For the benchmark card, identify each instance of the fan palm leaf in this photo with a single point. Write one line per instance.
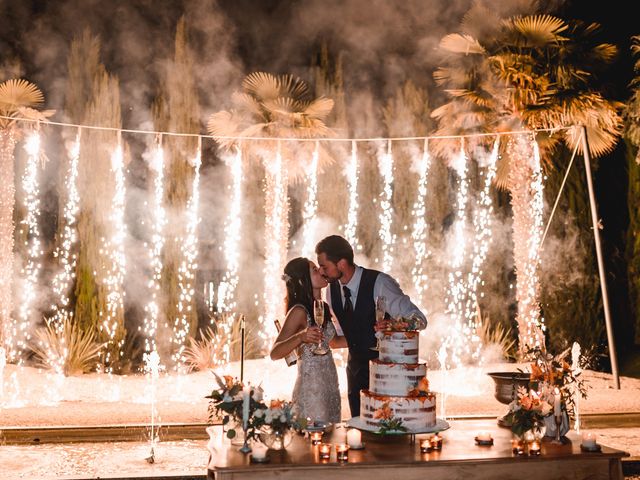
(537, 30)
(459, 43)
(17, 94)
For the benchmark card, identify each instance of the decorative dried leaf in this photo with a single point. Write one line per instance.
(538, 30)
(459, 43)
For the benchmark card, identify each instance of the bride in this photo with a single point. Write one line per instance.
(315, 394)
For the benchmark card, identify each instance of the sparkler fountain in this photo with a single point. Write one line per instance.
(152, 368)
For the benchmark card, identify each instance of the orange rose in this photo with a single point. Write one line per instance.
(276, 404)
(536, 372)
(228, 381)
(383, 412)
(526, 402)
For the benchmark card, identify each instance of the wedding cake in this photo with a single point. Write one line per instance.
(397, 381)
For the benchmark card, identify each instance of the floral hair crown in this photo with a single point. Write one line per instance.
(286, 277)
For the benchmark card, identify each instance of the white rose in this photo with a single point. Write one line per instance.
(283, 418)
(227, 398)
(259, 413)
(258, 394)
(268, 417)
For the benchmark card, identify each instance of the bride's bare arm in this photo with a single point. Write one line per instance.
(294, 333)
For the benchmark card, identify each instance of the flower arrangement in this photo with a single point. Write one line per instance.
(227, 401)
(421, 390)
(404, 324)
(279, 416)
(550, 376)
(388, 423)
(527, 412)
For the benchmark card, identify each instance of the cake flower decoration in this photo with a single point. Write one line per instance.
(388, 423)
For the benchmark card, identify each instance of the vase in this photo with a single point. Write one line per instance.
(550, 424)
(506, 387)
(276, 439)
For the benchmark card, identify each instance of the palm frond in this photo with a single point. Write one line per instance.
(262, 85)
(459, 43)
(538, 30)
(17, 93)
(319, 108)
(293, 87)
(200, 354)
(244, 101)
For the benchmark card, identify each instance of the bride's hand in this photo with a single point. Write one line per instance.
(311, 335)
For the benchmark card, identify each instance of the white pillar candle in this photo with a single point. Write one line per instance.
(557, 403)
(246, 395)
(258, 451)
(589, 440)
(354, 438)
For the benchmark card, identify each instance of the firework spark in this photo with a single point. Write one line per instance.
(351, 172)
(310, 206)
(419, 232)
(385, 165)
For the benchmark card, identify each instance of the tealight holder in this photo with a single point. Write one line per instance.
(517, 446)
(342, 452)
(315, 437)
(534, 448)
(425, 445)
(484, 439)
(436, 442)
(324, 451)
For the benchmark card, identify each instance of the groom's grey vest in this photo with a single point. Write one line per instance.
(358, 328)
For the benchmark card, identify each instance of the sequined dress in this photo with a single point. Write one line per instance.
(316, 394)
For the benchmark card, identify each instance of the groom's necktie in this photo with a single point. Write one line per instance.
(348, 306)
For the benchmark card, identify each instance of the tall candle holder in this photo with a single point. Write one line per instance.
(245, 446)
(558, 421)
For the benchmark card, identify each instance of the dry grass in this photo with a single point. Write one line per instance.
(66, 349)
(497, 334)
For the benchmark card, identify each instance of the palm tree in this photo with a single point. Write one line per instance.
(273, 107)
(525, 73)
(17, 99)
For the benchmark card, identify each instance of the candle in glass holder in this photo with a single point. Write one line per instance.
(425, 445)
(436, 442)
(324, 450)
(589, 440)
(354, 438)
(259, 452)
(342, 452)
(517, 446)
(316, 438)
(534, 448)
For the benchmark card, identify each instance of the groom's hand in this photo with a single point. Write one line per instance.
(311, 335)
(382, 325)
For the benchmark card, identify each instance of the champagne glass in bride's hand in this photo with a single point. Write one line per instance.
(380, 311)
(318, 316)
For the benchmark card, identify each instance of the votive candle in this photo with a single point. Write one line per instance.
(354, 438)
(342, 452)
(589, 440)
(316, 438)
(425, 445)
(436, 442)
(517, 446)
(258, 451)
(324, 450)
(534, 448)
(484, 437)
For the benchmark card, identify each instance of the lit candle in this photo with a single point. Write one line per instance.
(425, 445)
(484, 437)
(557, 403)
(342, 452)
(316, 438)
(534, 448)
(354, 438)
(436, 442)
(246, 392)
(517, 446)
(324, 450)
(589, 440)
(258, 451)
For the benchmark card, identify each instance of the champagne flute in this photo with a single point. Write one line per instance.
(380, 312)
(318, 316)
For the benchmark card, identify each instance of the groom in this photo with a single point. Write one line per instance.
(352, 296)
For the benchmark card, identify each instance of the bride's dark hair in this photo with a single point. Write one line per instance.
(298, 282)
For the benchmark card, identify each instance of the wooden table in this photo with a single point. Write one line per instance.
(395, 457)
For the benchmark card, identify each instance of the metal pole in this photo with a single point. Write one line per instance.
(603, 282)
(242, 327)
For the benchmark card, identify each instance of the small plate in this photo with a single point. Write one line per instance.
(260, 460)
(483, 443)
(597, 448)
(361, 447)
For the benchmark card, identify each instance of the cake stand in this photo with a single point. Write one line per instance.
(360, 424)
